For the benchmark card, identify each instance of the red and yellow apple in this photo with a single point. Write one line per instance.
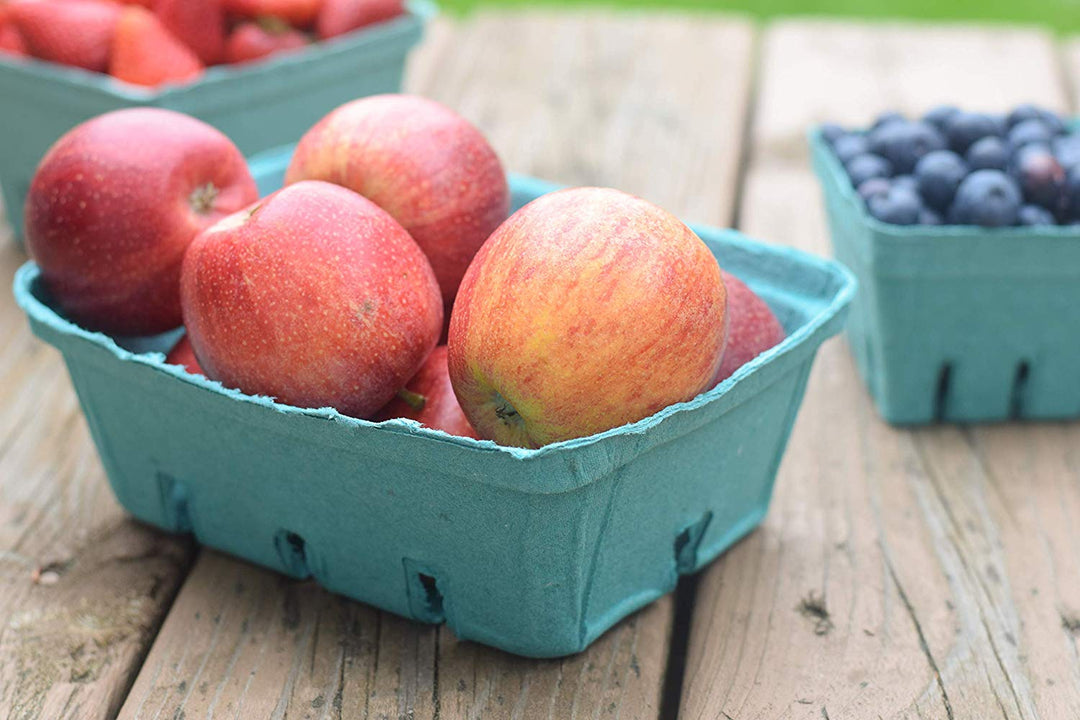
(587, 309)
(314, 296)
(429, 399)
(115, 203)
(427, 166)
(752, 328)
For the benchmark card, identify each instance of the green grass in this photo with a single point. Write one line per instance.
(1062, 16)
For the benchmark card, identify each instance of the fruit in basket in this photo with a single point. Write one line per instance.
(899, 206)
(938, 174)
(314, 296)
(587, 309)
(1029, 152)
(429, 399)
(752, 327)
(427, 166)
(183, 354)
(199, 24)
(145, 53)
(115, 203)
(338, 17)
(864, 167)
(989, 198)
(72, 32)
(903, 143)
(988, 153)
(1041, 177)
(255, 40)
(11, 41)
(298, 13)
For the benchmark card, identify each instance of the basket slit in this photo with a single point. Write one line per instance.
(687, 543)
(292, 551)
(1019, 390)
(426, 602)
(174, 503)
(941, 393)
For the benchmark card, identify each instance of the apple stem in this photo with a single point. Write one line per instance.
(203, 197)
(414, 400)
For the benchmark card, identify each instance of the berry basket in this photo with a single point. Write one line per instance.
(536, 552)
(259, 106)
(957, 323)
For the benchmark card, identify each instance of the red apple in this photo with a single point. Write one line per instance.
(752, 328)
(314, 296)
(587, 309)
(115, 203)
(429, 399)
(422, 163)
(184, 354)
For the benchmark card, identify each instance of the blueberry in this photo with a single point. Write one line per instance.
(964, 128)
(899, 206)
(863, 167)
(887, 117)
(906, 181)
(873, 186)
(1041, 177)
(939, 174)
(1022, 113)
(929, 217)
(831, 132)
(1053, 121)
(1029, 131)
(850, 145)
(1067, 150)
(1072, 192)
(939, 116)
(989, 153)
(989, 198)
(1035, 215)
(903, 142)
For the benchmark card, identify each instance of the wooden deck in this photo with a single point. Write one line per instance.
(929, 573)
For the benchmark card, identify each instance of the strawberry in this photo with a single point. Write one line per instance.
(11, 42)
(145, 53)
(72, 32)
(298, 13)
(254, 40)
(338, 17)
(199, 24)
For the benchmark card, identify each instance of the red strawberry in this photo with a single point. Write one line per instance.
(251, 41)
(72, 32)
(199, 24)
(145, 53)
(338, 17)
(298, 13)
(11, 42)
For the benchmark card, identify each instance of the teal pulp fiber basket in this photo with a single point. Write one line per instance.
(958, 323)
(259, 106)
(536, 552)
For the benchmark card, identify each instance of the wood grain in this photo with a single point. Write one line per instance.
(899, 573)
(84, 588)
(633, 101)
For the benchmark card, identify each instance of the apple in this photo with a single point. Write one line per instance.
(429, 399)
(752, 328)
(587, 309)
(115, 203)
(422, 163)
(183, 354)
(314, 296)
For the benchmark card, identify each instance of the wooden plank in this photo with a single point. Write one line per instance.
(899, 573)
(84, 587)
(572, 97)
(849, 72)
